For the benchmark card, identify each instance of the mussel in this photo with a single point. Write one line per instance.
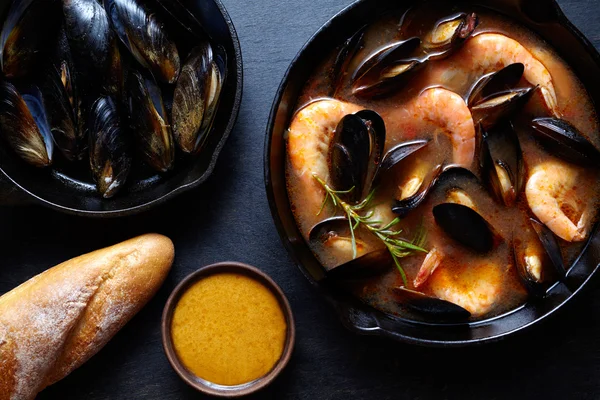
(345, 55)
(387, 69)
(149, 122)
(61, 117)
(502, 163)
(197, 96)
(355, 153)
(465, 225)
(143, 33)
(430, 306)
(28, 29)
(403, 206)
(536, 249)
(370, 265)
(496, 95)
(109, 151)
(562, 139)
(24, 123)
(449, 34)
(94, 46)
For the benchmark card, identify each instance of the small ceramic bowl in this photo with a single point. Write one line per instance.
(213, 388)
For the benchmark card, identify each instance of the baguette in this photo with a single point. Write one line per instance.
(54, 322)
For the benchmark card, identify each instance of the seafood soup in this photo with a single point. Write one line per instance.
(442, 165)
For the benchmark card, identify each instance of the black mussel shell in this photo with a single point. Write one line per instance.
(565, 141)
(502, 166)
(404, 206)
(449, 34)
(186, 19)
(143, 33)
(109, 150)
(552, 247)
(386, 70)
(93, 46)
(349, 156)
(355, 153)
(149, 122)
(28, 29)
(197, 95)
(465, 225)
(24, 123)
(368, 266)
(499, 106)
(496, 82)
(61, 117)
(327, 228)
(430, 306)
(344, 57)
(397, 154)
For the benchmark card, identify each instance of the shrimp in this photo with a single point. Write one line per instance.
(489, 52)
(308, 140)
(552, 196)
(475, 287)
(450, 114)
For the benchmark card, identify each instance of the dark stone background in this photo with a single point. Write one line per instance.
(228, 219)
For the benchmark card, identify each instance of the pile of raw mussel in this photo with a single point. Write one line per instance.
(357, 163)
(113, 80)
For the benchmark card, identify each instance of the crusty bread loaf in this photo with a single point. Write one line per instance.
(57, 320)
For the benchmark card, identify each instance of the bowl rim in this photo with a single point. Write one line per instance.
(223, 390)
(376, 316)
(25, 195)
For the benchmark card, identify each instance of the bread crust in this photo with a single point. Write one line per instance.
(54, 322)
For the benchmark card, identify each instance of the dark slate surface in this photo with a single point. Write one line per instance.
(229, 219)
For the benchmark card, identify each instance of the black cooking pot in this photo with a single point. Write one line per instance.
(543, 17)
(21, 183)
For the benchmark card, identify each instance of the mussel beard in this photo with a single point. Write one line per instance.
(109, 153)
(24, 124)
(150, 124)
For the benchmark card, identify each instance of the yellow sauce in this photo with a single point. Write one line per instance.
(228, 329)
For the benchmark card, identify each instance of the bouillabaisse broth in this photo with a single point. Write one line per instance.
(431, 105)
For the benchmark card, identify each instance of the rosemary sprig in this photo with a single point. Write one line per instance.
(388, 234)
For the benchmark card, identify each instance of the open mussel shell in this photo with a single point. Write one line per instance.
(563, 140)
(496, 107)
(29, 28)
(327, 228)
(533, 249)
(93, 46)
(368, 266)
(496, 82)
(197, 95)
(386, 70)
(502, 165)
(449, 34)
(430, 306)
(143, 33)
(345, 55)
(149, 122)
(109, 149)
(404, 206)
(24, 123)
(465, 225)
(355, 153)
(552, 247)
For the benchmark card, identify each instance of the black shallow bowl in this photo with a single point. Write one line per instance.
(543, 17)
(20, 183)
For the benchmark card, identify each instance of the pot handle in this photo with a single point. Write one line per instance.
(10, 194)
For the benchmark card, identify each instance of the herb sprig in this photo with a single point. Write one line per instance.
(388, 234)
